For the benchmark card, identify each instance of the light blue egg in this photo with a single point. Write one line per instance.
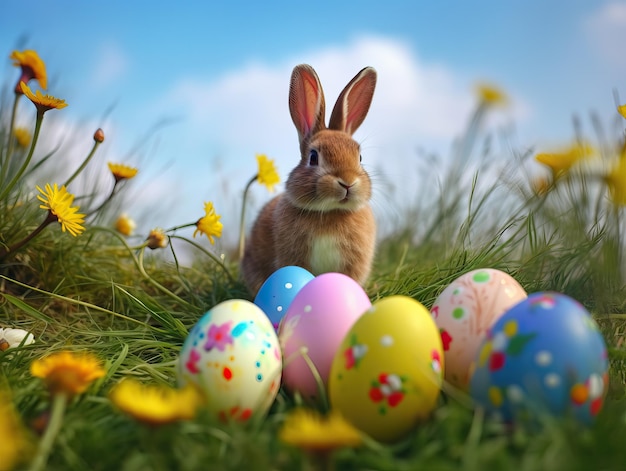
(276, 294)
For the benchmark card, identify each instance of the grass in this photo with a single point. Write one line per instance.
(133, 308)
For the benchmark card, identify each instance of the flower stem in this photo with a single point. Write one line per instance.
(322, 460)
(84, 164)
(182, 226)
(9, 149)
(105, 202)
(212, 256)
(242, 229)
(59, 403)
(139, 264)
(472, 131)
(22, 169)
(49, 219)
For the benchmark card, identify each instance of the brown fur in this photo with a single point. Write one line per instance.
(325, 205)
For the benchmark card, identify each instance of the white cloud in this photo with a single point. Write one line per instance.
(111, 64)
(416, 105)
(248, 107)
(606, 31)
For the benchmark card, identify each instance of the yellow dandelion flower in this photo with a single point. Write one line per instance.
(268, 175)
(209, 224)
(22, 136)
(157, 239)
(491, 95)
(59, 203)
(12, 435)
(67, 372)
(155, 405)
(125, 225)
(309, 430)
(622, 110)
(122, 172)
(32, 67)
(42, 102)
(562, 161)
(616, 181)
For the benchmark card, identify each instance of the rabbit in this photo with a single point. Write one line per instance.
(323, 221)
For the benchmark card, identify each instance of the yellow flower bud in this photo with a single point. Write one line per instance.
(125, 225)
(157, 239)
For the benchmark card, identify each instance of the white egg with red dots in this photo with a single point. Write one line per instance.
(233, 356)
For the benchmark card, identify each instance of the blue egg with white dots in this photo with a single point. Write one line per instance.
(545, 356)
(276, 294)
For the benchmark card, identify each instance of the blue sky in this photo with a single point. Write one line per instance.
(218, 74)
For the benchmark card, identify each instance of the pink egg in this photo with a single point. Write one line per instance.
(464, 311)
(314, 326)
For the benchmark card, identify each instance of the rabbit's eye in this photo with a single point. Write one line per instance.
(313, 157)
(360, 158)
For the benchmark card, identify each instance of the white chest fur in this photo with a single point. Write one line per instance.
(325, 255)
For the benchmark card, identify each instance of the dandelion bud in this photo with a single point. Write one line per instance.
(98, 136)
(125, 225)
(156, 239)
(22, 136)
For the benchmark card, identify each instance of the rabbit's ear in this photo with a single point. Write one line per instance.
(306, 101)
(354, 102)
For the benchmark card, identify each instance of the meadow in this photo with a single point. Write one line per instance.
(112, 306)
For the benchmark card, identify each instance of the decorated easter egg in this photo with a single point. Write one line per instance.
(386, 374)
(233, 356)
(315, 324)
(277, 292)
(465, 310)
(545, 355)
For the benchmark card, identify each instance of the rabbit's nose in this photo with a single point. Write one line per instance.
(347, 186)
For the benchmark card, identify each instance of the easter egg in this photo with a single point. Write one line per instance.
(315, 324)
(545, 355)
(278, 291)
(233, 356)
(386, 374)
(465, 310)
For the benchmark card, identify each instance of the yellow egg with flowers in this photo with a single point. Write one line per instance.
(386, 375)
